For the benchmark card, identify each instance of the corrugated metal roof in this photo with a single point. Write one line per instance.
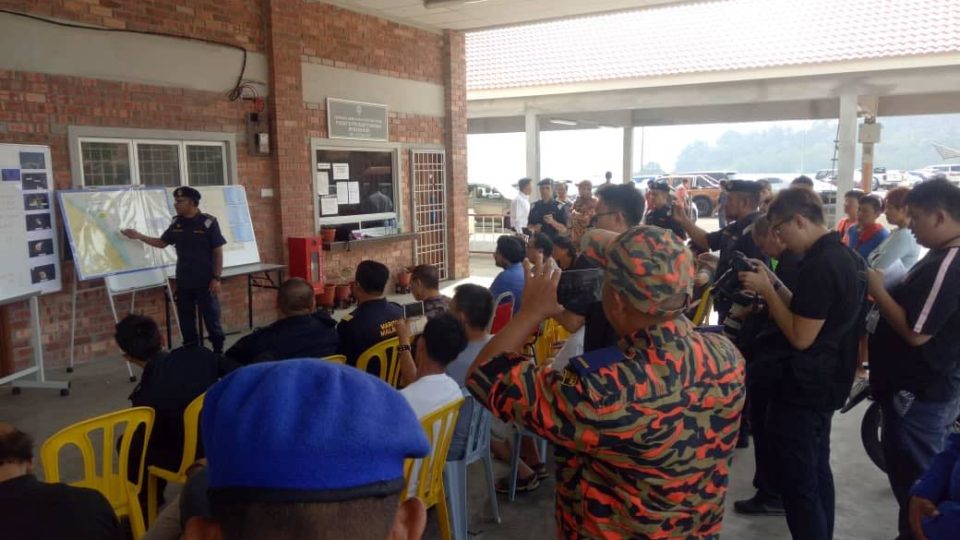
(709, 37)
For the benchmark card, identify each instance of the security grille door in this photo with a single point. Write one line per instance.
(429, 215)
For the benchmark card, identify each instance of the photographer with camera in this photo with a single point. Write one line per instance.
(756, 332)
(809, 367)
(742, 209)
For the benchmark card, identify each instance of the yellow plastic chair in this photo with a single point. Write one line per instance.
(336, 358)
(438, 426)
(703, 309)
(550, 340)
(191, 436)
(100, 433)
(386, 353)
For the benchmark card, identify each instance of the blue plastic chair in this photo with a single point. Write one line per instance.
(455, 472)
(518, 436)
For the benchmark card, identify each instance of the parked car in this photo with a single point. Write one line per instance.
(950, 170)
(704, 191)
(485, 199)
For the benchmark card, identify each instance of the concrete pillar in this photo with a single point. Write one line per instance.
(628, 154)
(847, 149)
(455, 103)
(532, 128)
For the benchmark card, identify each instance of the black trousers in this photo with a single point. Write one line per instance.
(764, 476)
(188, 301)
(800, 450)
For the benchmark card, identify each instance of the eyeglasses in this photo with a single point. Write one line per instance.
(778, 228)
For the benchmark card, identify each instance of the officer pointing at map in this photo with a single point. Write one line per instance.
(196, 237)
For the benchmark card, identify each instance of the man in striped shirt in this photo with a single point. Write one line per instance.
(915, 349)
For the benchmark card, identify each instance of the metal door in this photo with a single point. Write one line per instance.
(428, 174)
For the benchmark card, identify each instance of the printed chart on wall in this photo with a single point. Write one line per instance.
(94, 219)
(29, 169)
(229, 205)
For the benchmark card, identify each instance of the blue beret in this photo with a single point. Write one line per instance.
(307, 431)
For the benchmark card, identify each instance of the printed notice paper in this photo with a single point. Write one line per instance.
(328, 205)
(353, 191)
(341, 171)
(342, 196)
(323, 183)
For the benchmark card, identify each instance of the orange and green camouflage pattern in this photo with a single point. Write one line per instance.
(642, 444)
(650, 266)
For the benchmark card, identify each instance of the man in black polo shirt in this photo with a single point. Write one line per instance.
(375, 318)
(547, 215)
(811, 369)
(199, 244)
(915, 349)
(661, 215)
(301, 332)
(742, 209)
(170, 381)
(34, 510)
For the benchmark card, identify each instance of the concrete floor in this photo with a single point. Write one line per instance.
(865, 506)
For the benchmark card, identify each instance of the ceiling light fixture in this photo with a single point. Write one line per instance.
(562, 122)
(441, 3)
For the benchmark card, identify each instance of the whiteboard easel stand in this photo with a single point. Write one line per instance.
(36, 339)
(112, 293)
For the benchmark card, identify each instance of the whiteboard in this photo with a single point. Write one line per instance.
(15, 270)
(134, 281)
(229, 205)
(28, 166)
(93, 220)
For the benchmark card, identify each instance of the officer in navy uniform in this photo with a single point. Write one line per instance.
(742, 209)
(547, 215)
(196, 237)
(375, 318)
(660, 213)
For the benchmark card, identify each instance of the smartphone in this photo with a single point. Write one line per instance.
(579, 288)
(413, 310)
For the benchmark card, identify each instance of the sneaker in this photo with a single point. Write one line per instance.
(524, 485)
(755, 506)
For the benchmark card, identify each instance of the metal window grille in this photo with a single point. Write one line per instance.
(428, 171)
(159, 164)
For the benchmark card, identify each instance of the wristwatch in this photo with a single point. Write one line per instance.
(403, 347)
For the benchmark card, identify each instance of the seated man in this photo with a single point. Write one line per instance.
(425, 286)
(935, 498)
(34, 510)
(324, 459)
(509, 256)
(473, 306)
(541, 244)
(301, 332)
(442, 340)
(374, 319)
(170, 381)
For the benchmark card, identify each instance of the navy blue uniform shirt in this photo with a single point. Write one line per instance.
(194, 239)
(542, 209)
(369, 324)
(736, 236)
(34, 510)
(663, 217)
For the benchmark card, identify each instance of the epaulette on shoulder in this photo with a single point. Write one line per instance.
(208, 220)
(592, 361)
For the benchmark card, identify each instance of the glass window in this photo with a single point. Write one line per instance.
(105, 163)
(159, 164)
(205, 165)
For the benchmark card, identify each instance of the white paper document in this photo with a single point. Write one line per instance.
(323, 183)
(341, 171)
(894, 274)
(342, 196)
(353, 192)
(323, 166)
(328, 205)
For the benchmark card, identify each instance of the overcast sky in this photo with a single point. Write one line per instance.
(498, 159)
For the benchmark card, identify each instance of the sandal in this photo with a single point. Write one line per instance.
(524, 485)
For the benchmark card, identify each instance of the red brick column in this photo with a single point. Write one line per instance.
(455, 104)
(291, 162)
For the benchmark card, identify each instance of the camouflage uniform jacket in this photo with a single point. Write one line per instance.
(643, 431)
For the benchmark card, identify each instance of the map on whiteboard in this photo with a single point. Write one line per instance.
(94, 219)
(229, 205)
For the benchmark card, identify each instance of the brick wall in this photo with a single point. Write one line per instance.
(37, 108)
(237, 22)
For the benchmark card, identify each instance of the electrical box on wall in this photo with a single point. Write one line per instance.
(258, 134)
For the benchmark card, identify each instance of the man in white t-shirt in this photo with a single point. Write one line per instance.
(442, 340)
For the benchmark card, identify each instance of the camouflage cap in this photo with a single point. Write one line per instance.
(650, 266)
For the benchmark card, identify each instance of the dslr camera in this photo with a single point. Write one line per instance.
(728, 285)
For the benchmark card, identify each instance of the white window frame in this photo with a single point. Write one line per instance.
(78, 135)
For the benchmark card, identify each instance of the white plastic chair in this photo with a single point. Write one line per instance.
(455, 472)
